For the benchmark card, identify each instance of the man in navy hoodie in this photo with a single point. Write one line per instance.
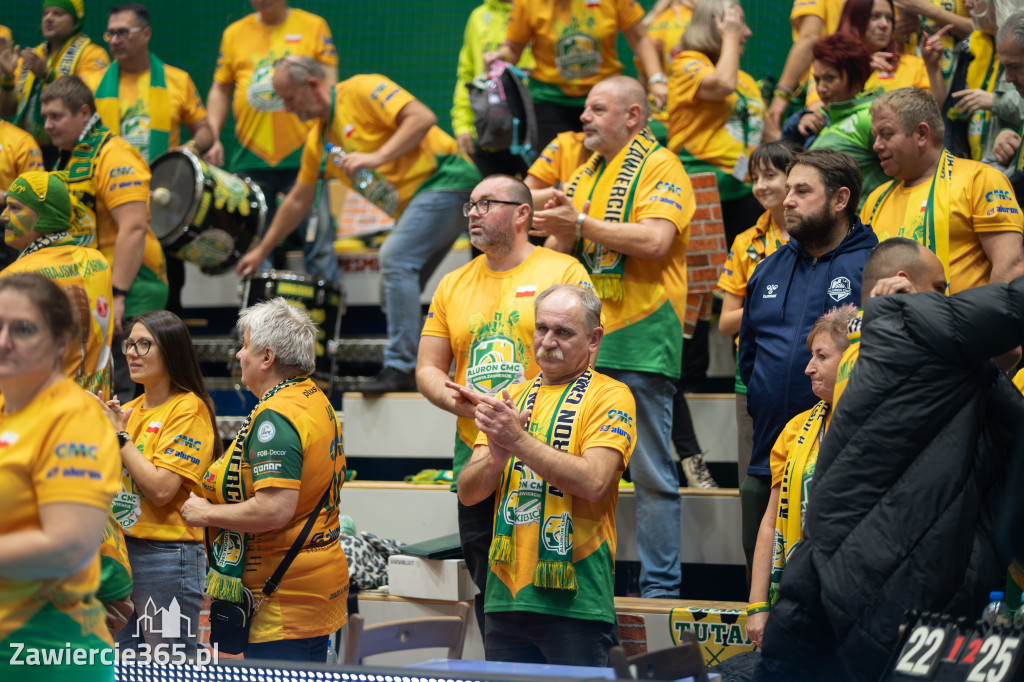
(819, 268)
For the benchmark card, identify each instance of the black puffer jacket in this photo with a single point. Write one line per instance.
(908, 486)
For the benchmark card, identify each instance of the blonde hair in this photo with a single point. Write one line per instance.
(702, 34)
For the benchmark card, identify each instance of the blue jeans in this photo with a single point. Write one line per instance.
(163, 572)
(318, 255)
(312, 649)
(524, 637)
(656, 478)
(422, 236)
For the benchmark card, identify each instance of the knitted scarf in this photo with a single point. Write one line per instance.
(156, 106)
(936, 213)
(793, 495)
(522, 491)
(80, 166)
(614, 200)
(223, 485)
(61, 63)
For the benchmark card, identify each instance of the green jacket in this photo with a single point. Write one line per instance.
(850, 132)
(485, 31)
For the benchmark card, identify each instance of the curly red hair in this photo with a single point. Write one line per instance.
(847, 54)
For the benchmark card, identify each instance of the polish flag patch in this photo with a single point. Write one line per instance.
(592, 4)
(293, 37)
(154, 427)
(530, 290)
(348, 130)
(8, 438)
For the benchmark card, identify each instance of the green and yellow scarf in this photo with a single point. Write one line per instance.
(521, 486)
(156, 105)
(223, 484)
(981, 75)
(61, 63)
(615, 202)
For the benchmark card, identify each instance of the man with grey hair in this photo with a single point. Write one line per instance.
(482, 318)
(553, 449)
(962, 210)
(285, 465)
(626, 215)
(369, 124)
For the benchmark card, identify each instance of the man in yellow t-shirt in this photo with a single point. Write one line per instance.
(962, 210)
(24, 73)
(20, 154)
(37, 223)
(555, 165)
(633, 240)
(111, 182)
(556, 480)
(270, 138)
(369, 124)
(481, 317)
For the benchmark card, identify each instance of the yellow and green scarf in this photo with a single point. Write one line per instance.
(223, 484)
(936, 212)
(521, 487)
(615, 200)
(61, 63)
(981, 75)
(79, 166)
(156, 105)
(792, 496)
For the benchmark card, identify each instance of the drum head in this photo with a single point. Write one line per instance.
(180, 174)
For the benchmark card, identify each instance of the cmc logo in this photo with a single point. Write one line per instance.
(188, 442)
(998, 195)
(621, 416)
(65, 450)
(668, 187)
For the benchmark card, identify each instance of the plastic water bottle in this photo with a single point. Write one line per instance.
(370, 184)
(332, 654)
(997, 613)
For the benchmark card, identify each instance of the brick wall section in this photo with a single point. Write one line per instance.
(632, 633)
(707, 250)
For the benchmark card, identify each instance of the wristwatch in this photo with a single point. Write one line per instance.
(123, 438)
(579, 224)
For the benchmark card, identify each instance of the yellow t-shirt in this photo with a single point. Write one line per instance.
(268, 135)
(980, 200)
(186, 106)
(560, 159)
(177, 436)
(487, 316)
(366, 109)
(573, 40)
(19, 153)
(295, 438)
(644, 330)
(749, 248)
(715, 132)
(84, 275)
(58, 449)
(666, 30)
(910, 72)
(606, 418)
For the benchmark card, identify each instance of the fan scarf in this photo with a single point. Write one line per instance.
(63, 63)
(156, 101)
(554, 568)
(615, 201)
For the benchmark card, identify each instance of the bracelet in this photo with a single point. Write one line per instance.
(119, 292)
(783, 93)
(7, 83)
(579, 224)
(757, 607)
(657, 78)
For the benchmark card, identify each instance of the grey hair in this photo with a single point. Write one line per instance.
(284, 329)
(1013, 28)
(835, 323)
(299, 67)
(589, 300)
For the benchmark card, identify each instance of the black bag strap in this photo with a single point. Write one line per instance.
(275, 580)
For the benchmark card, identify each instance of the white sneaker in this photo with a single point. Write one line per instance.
(696, 472)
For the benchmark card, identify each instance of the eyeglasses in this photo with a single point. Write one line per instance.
(121, 33)
(484, 205)
(141, 347)
(20, 330)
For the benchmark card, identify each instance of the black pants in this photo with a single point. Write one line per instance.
(476, 524)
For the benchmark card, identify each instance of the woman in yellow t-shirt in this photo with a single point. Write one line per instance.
(793, 458)
(168, 441)
(715, 110)
(58, 472)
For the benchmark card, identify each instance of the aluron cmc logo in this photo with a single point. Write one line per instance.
(770, 291)
(493, 365)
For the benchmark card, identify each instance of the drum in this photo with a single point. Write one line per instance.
(323, 301)
(203, 214)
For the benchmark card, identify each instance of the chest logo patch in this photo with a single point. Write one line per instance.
(840, 288)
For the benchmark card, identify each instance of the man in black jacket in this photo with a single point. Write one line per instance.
(908, 486)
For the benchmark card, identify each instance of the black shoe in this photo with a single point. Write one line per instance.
(389, 380)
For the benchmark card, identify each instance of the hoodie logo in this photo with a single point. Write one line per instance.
(772, 288)
(840, 288)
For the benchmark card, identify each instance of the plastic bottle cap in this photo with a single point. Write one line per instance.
(996, 595)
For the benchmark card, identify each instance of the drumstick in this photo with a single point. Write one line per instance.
(161, 196)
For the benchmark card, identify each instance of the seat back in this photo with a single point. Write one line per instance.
(412, 633)
(685, 660)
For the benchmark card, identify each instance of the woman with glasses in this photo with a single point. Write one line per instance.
(168, 441)
(58, 473)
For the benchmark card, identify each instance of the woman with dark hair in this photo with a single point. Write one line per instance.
(841, 67)
(168, 441)
(58, 473)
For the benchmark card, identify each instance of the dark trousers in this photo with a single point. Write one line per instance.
(312, 649)
(476, 525)
(553, 119)
(519, 636)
